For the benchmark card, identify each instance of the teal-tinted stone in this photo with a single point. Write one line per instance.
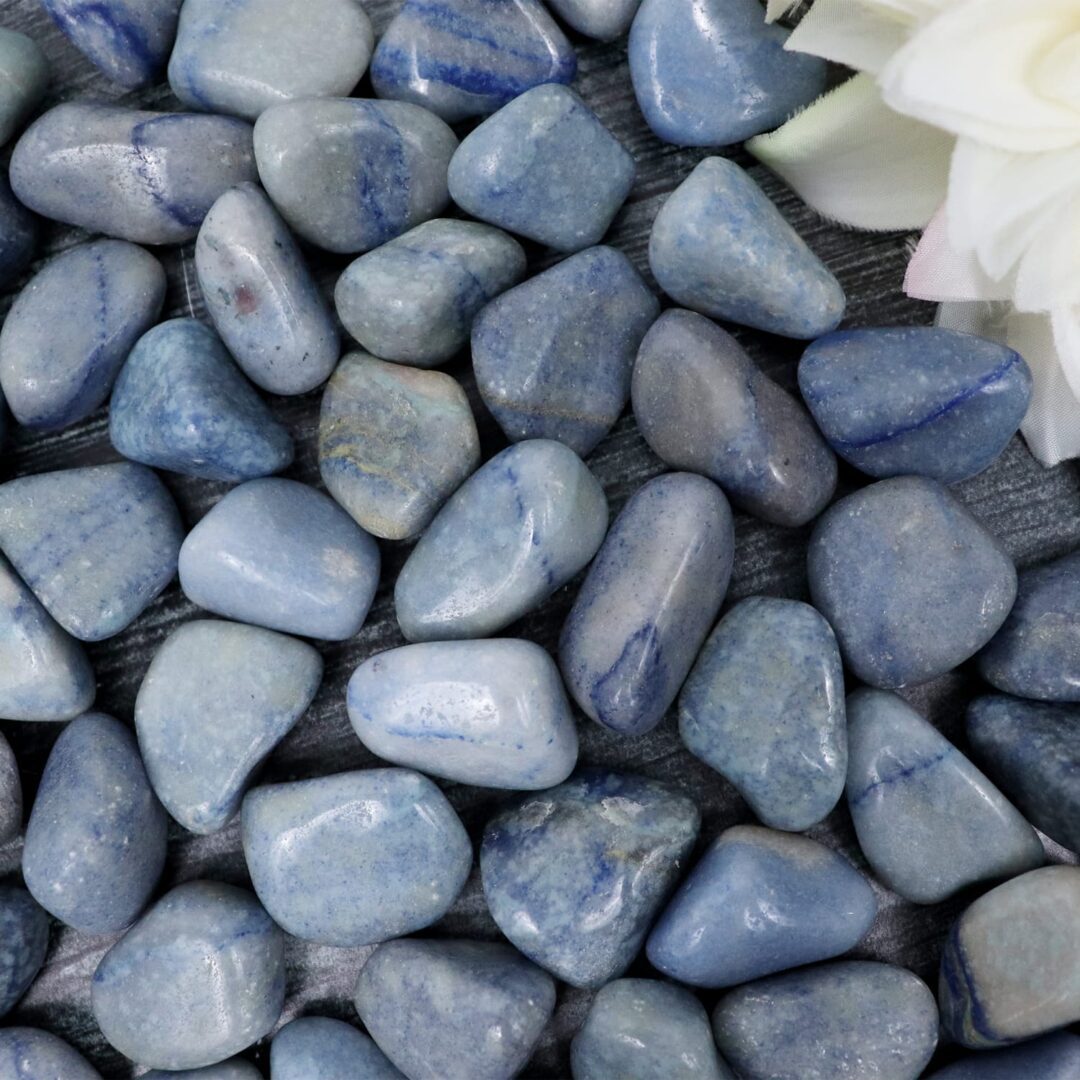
(24, 940)
(1053, 1057)
(24, 75)
(316, 1046)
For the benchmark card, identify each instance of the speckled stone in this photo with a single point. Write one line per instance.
(463, 58)
(395, 443)
(714, 932)
(603, 19)
(490, 713)
(95, 841)
(243, 56)
(11, 802)
(261, 296)
(56, 371)
(33, 1054)
(96, 544)
(764, 707)
(1053, 1057)
(195, 980)
(702, 404)
(719, 246)
(24, 940)
(553, 356)
(454, 1008)
(648, 601)
(518, 529)
(348, 174)
(180, 403)
(148, 177)
(18, 232)
(217, 698)
(1009, 968)
(845, 1021)
(575, 875)
(24, 77)
(545, 167)
(316, 1046)
(233, 1069)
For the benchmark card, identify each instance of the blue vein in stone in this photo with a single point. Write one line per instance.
(460, 76)
(128, 37)
(954, 965)
(903, 774)
(389, 219)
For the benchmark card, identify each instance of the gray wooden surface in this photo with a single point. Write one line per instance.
(1035, 511)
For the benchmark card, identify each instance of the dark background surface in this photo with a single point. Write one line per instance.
(1035, 511)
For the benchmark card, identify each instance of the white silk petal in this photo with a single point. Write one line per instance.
(939, 271)
(777, 9)
(1049, 273)
(1065, 322)
(850, 32)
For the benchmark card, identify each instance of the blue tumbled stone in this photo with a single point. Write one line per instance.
(18, 234)
(233, 1069)
(24, 940)
(575, 875)
(603, 19)
(553, 356)
(24, 77)
(545, 167)
(11, 802)
(316, 1046)
(719, 246)
(648, 601)
(1053, 1057)
(32, 1054)
(760, 902)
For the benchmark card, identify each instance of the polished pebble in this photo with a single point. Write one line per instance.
(518, 529)
(650, 597)
(24, 77)
(32, 1054)
(603, 19)
(1053, 1057)
(18, 232)
(233, 1069)
(149, 177)
(575, 875)
(217, 698)
(180, 403)
(56, 371)
(261, 296)
(764, 707)
(11, 801)
(553, 356)
(316, 1046)
(912, 583)
(198, 978)
(447, 1008)
(395, 443)
(545, 167)
(719, 246)
(702, 404)
(24, 940)
(715, 933)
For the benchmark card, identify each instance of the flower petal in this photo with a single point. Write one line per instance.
(777, 9)
(1049, 275)
(851, 32)
(939, 271)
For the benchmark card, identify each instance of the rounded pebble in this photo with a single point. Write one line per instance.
(24, 940)
(24, 73)
(11, 800)
(32, 1054)
(316, 1046)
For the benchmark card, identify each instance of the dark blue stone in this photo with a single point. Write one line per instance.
(24, 940)
(1053, 1057)
(24, 77)
(31, 1054)
(318, 1048)
(18, 234)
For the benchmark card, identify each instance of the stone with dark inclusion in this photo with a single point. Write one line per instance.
(1053, 1057)
(33, 1054)
(24, 940)
(317, 1046)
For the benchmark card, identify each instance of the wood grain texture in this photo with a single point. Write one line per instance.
(1035, 511)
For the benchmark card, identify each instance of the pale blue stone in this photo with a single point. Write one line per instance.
(348, 174)
(234, 1069)
(217, 698)
(545, 167)
(764, 707)
(490, 713)
(180, 403)
(442, 1009)
(261, 296)
(518, 529)
(553, 356)
(198, 978)
(912, 583)
(95, 841)
(56, 371)
(463, 58)
(96, 545)
(719, 246)
(32, 1054)
(11, 801)
(280, 554)
(316, 1046)
(1053, 1057)
(603, 19)
(760, 902)
(24, 940)
(24, 77)
(18, 232)
(149, 177)
(648, 601)
(574, 876)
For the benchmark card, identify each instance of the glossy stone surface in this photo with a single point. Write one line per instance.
(282, 555)
(454, 1008)
(24, 76)
(575, 875)
(148, 177)
(95, 841)
(912, 583)
(233, 1069)
(348, 174)
(545, 167)
(316, 1046)
(18, 232)
(217, 698)
(850, 1019)
(56, 371)
(719, 246)
(519, 528)
(195, 980)
(95, 544)
(244, 56)
(395, 442)
(24, 939)
(32, 1054)
(603, 19)
(553, 356)
(261, 296)
(180, 403)
(11, 802)
(648, 601)
(702, 404)
(463, 58)
(764, 707)
(714, 932)
(490, 713)
(1053, 1057)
